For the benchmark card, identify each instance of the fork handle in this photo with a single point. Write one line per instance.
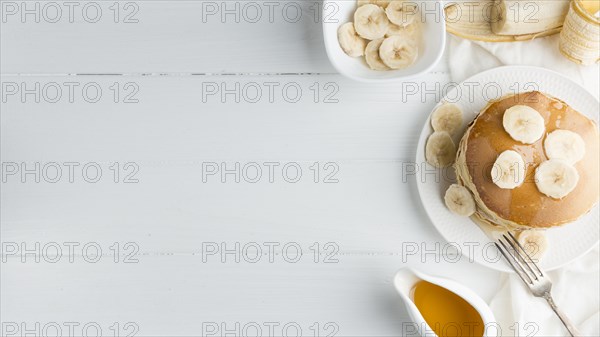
(566, 321)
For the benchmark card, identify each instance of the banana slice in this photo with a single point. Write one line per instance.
(459, 200)
(440, 150)
(534, 242)
(398, 52)
(556, 178)
(409, 32)
(524, 124)
(372, 56)
(370, 22)
(565, 145)
(380, 3)
(447, 117)
(402, 13)
(508, 171)
(351, 43)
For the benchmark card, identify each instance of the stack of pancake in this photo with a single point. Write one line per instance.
(528, 204)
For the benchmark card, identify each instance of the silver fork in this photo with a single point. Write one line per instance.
(532, 275)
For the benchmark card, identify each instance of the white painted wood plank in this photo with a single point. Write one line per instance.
(177, 118)
(175, 295)
(171, 210)
(163, 37)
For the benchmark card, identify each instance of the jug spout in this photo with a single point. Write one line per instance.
(405, 280)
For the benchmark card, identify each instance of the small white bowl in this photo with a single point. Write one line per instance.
(433, 42)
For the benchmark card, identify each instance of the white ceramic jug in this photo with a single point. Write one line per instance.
(406, 279)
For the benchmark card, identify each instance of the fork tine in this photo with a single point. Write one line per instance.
(511, 260)
(530, 260)
(515, 246)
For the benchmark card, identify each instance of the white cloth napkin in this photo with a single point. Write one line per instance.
(468, 58)
(575, 287)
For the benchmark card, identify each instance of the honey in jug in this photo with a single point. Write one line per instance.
(446, 313)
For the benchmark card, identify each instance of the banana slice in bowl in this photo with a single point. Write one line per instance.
(423, 38)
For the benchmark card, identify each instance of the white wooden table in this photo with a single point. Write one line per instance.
(161, 97)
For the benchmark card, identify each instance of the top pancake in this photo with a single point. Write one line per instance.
(526, 205)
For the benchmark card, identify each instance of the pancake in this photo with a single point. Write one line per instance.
(525, 207)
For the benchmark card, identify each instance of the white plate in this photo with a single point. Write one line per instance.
(338, 12)
(567, 242)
